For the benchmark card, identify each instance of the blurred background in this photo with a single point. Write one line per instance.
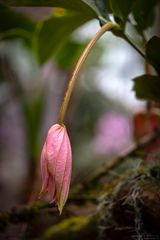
(99, 118)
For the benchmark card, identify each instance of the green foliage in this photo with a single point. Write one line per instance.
(13, 24)
(153, 52)
(99, 6)
(76, 5)
(48, 39)
(52, 33)
(121, 9)
(143, 12)
(147, 87)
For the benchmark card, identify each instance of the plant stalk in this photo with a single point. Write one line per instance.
(107, 27)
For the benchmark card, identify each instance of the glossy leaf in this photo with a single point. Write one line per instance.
(54, 32)
(99, 7)
(76, 5)
(121, 9)
(143, 12)
(147, 87)
(153, 52)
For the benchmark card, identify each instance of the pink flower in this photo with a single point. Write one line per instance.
(56, 165)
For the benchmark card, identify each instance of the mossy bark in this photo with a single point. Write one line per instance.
(133, 212)
(74, 228)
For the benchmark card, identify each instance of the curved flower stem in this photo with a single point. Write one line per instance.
(107, 27)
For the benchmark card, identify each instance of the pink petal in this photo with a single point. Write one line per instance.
(63, 171)
(53, 146)
(66, 179)
(52, 188)
(44, 170)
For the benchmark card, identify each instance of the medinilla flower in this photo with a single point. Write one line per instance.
(56, 165)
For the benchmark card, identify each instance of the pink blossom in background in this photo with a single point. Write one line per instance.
(113, 134)
(56, 165)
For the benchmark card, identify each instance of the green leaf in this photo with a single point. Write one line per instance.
(147, 87)
(143, 12)
(53, 33)
(76, 5)
(99, 6)
(153, 52)
(69, 54)
(13, 24)
(121, 9)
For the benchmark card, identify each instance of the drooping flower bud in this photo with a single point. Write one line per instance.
(56, 165)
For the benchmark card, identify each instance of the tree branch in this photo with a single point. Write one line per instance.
(133, 151)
